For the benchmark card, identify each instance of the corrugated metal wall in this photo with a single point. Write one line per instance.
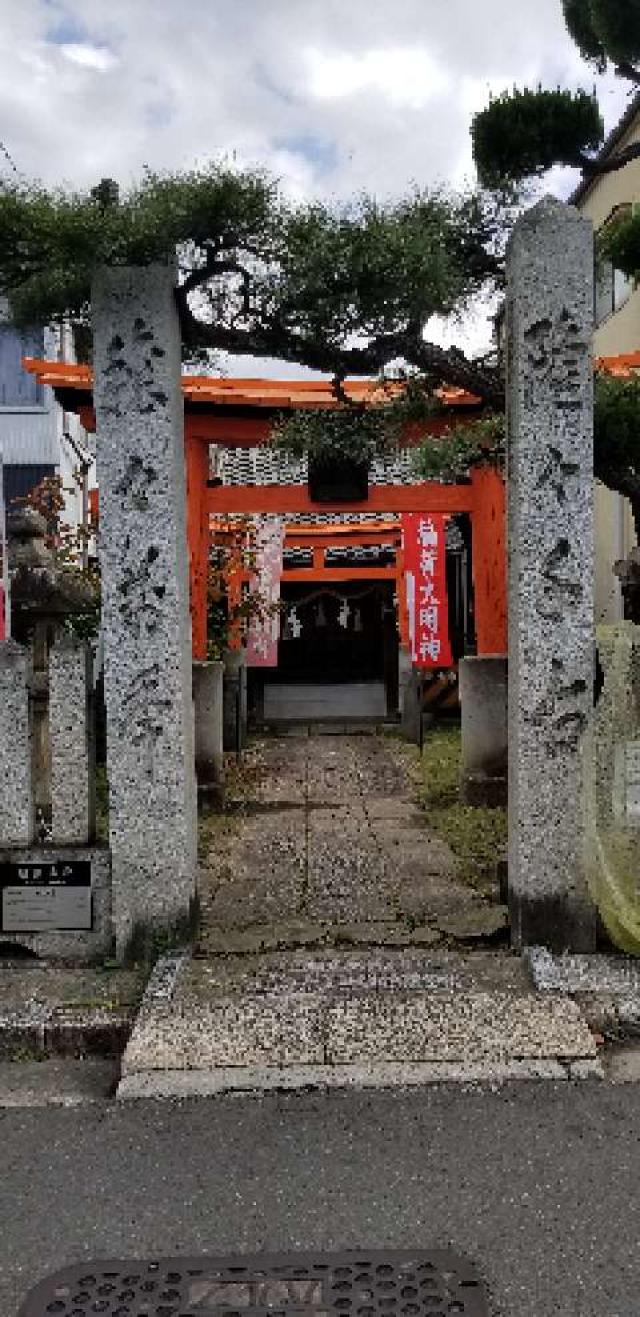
(29, 437)
(27, 411)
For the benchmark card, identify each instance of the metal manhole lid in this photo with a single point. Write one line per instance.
(435, 1283)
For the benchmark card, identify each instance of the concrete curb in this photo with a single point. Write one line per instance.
(39, 1029)
(178, 1084)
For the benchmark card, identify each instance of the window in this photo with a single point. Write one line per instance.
(612, 287)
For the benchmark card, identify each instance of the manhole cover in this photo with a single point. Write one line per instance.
(434, 1284)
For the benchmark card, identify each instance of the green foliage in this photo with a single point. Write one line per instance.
(67, 543)
(523, 133)
(579, 22)
(616, 25)
(616, 416)
(370, 269)
(51, 241)
(229, 613)
(450, 457)
(358, 432)
(617, 434)
(620, 243)
(343, 288)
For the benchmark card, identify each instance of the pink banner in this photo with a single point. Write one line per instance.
(264, 630)
(423, 538)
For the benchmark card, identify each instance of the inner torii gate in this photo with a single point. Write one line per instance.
(483, 498)
(239, 413)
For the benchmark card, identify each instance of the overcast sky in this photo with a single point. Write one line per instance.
(334, 96)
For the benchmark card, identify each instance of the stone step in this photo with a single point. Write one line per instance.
(368, 968)
(205, 1037)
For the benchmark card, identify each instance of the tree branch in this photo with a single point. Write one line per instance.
(212, 267)
(592, 168)
(339, 392)
(629, 71)
(274, 340)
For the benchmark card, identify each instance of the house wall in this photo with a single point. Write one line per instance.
(33, 427)
(619, 332)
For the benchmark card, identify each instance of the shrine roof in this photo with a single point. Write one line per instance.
(274, 394)
(208, 390)
(623, 366)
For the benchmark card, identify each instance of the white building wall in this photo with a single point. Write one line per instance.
(619, 332)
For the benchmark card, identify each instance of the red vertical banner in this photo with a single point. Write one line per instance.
(264, 629)
(424, 548)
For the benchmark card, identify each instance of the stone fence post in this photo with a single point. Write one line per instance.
(208, 702)
(72, 743)
(551, 626)
(147, 630)
(17, 809)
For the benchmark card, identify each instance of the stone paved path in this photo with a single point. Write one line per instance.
(331, 947)
(328, 844)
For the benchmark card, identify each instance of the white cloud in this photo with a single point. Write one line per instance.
(89, 57)
(400, 76)
(333, 97)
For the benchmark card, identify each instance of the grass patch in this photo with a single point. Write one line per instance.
(477, 835)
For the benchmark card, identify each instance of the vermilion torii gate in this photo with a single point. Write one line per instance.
(239, 413)
(483, 498)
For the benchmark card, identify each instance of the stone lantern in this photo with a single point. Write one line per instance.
(44, 594)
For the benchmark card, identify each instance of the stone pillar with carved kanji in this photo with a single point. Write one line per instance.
(550, 518)
(147, 631)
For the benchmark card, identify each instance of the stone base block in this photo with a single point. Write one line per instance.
(56, 901)
(483, 705)
(208, 710)
(235, 701)
(410, 702)
(557, 921)
(490, 792)
(211, 795)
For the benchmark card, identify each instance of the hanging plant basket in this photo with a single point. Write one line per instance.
(339, 446)
(340, 480)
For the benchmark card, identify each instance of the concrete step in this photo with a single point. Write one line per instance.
(51, 1009)
(337, 1020)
